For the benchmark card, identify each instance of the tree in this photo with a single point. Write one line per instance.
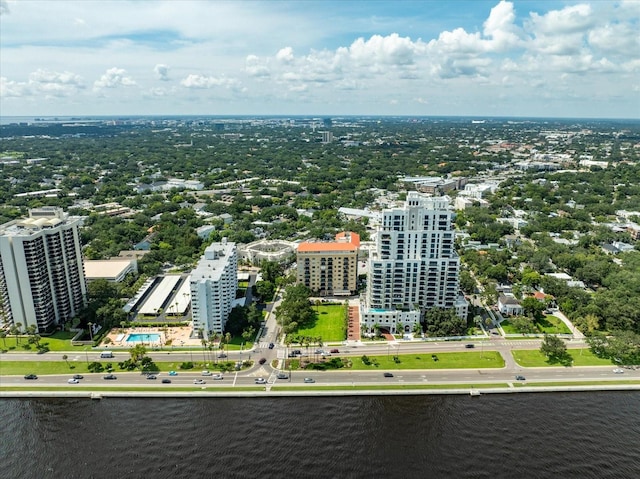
(439, 322)
(532, 307)
(65, 358)
(554, 349)
(3, 335)
(522, 324)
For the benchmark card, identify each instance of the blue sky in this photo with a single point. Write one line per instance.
(483, 58)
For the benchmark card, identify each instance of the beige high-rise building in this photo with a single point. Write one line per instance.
(330, 268)
(42, 280)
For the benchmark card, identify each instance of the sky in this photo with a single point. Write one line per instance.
(546, 58)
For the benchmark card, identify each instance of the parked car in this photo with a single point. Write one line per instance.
(260, 381)
(520, 378)
(30, 376)
(309, 380)
(199, 381)
(78, 376)
(166, 381)
(73, 381)
(282, 376)
(388, 375)
(262, 360)
(110, 376)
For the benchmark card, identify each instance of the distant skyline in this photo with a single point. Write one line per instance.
(544, 58)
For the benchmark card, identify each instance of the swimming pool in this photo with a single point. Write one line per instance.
(143, 338)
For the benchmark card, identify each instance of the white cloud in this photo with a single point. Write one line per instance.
(202, 82)
(12, 89)
(255, 67)
(55, 83)
(114, 77)
(285, 55)
(162, 72)
(500, 27)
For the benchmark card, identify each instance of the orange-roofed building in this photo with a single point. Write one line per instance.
(329, 268)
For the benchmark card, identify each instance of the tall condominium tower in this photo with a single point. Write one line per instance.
(414, 266)
(214, 282)
(42, 280)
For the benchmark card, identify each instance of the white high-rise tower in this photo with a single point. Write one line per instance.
(42, 279)
(414, 266)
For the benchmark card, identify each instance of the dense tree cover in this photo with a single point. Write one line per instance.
(555, 349)
(295, 311)
(439, 322)
(244, 321)
(623, 347)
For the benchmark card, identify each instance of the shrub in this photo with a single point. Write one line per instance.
(186, 365)
(366, 360)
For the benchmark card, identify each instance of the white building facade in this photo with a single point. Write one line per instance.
(214, 282)
(42, 281)
(414, 266)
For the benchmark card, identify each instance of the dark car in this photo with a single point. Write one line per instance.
(78, 376)
(222, 355)
(110, 376)
(262, 360)
(469, 346)
(388, 375)
(520, 378)
(333, 351)
(30, 376)
(166, 381)
(152, 376)
(271, 345)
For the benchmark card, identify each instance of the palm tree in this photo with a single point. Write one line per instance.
(65, 359)
(15, 330)
(227, 338)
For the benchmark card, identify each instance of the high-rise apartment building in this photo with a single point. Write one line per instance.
(42, 280)
(414, 266)
(329, 267)
(214, 282)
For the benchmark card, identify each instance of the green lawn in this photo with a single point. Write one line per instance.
(532, 358)
(329, 324)
(60, 341)
(80, 367)
(549, 324)
(466, 360)
(552, 325)
(388, 387)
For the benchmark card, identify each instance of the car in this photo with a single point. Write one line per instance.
(110, 376)
(335, 351)
(78, 376)
(262, 360)
(260, 381)
(271, 345)
(206, 373)
(469, 346)
(520, 378)
(218, 377)
(173, 373)
(199, 381)
(166, 381)
(152, 376)
(73, 381)
(282, 376)
(222, 355)
(309, 380)
(30, 376)
(618, 370)
(388, 375)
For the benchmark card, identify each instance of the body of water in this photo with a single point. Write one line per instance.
(559, 435)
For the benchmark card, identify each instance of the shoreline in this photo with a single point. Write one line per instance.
(313, 393)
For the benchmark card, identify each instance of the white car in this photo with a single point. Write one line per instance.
(260, 381)
(618, 370)
(73, 381)
(199, 381)
(218, 377)
(206, 373)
